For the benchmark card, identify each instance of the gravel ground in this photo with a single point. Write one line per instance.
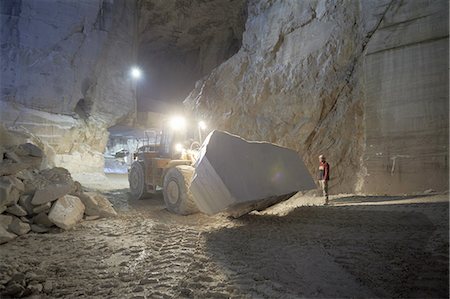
(360, 246)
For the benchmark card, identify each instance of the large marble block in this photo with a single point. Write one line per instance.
(236, 176)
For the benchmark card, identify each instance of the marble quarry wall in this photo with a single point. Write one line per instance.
(363, 82)
(64, 74)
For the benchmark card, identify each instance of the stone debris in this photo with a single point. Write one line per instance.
(50, 193)
(18, 227)
(235, 176)
(5, 220)
(9, 193)
(6, 236)
(42, 208)
(97, 205)
(66, 212)
(39, 228)
(16, 210)
(42, 219)
(25, 203)
(35, 199)
(29, 149)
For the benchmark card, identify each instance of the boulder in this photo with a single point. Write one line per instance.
(25, 175)
(5, 221)
(25, 219)
(18, 227)
(237, 176)
(52, 184)
(66, 211)
(9, 193)
(13, 157)
(16, 210)
(2, 208)
(25, 203)
(42, 208)
(29, 149)
(42, 219)
(5, 236)
(50, 193)
(97, 205)
(11, 168)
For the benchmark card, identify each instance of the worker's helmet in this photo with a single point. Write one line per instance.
(321, 157)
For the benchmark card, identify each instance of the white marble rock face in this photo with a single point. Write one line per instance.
(232, 172)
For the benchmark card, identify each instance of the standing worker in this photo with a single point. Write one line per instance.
(324, 176)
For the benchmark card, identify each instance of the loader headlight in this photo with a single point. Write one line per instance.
(202, 125)
(179, 147)
(177, 123)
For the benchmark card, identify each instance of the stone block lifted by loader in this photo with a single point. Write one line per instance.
(226, 174)
(236, 176)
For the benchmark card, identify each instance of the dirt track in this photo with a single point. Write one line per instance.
(359, 247)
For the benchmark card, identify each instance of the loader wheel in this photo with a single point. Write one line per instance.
(136, 178)
(177, 197)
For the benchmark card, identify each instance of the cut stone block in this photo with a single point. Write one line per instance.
(6, 236)
(66, 212)
(16, 210)
(97, 205)
(18, 227)
(237, 176)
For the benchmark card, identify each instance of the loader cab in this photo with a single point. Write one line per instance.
(176, 136)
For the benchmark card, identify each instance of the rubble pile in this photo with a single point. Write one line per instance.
(33, 199)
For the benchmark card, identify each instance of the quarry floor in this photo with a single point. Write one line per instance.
(360, 246)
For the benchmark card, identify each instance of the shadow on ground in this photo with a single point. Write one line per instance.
(363, 199)
(336, 252)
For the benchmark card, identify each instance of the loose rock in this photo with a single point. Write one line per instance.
(18, 227)
(39, 228)
(29, 149)
(97, 205)
(66, 212)
(5, 221)
(16, 210)
(6, 236)
(42, 219)
(8, 193)
(25, 202)
(42, 208)
(50, 193)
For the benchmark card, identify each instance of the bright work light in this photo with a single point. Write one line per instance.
(179, 147)
(135, 72)
(202, 125)
(177, 123)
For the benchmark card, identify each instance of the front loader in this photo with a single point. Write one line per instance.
(166, 164)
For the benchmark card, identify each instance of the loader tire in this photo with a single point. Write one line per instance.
(136, 178)
(176, 192)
